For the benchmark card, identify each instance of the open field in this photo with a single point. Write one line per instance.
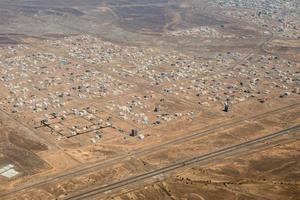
(152, 99)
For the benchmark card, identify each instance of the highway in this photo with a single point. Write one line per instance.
(172, 167)
(94, 166)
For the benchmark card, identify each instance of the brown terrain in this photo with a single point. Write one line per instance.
(151, 99)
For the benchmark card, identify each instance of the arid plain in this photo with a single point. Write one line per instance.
(149, 99)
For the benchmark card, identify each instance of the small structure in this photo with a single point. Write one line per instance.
(226, 107)
(8, 171)
(141, 137)
(157, 109)
(134, 133)
(98, 135)
(44, 122)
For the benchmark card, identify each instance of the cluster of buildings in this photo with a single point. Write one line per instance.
(73, 122)
(202, 31)
(148, 110)
(281, 17)
(41, 81)
(143, 86)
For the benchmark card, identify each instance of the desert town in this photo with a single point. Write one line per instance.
(43, 88)
(152, 112)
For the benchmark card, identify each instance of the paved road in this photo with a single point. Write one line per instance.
(95, 166)
(181, 164)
